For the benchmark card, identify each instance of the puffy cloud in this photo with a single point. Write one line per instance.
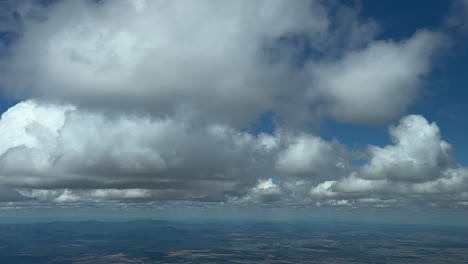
(264, 192)
(60, 153)
(143, 101)
(217, 61)
(418, 153)
(49, 146)
(377, 83)
(417, 169)
(208, 58)
(309, 155)
(63, 154)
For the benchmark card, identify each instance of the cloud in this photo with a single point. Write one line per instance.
(309, 155)
(50, 146)
(149, 101)
(418, 153)
(60, 153)
(64, 196)
(417, 169)
(217, 62)
(377, 83)
(264, 192)
(208, 58)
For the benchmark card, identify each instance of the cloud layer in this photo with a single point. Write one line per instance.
(218, 61)
(417, 168)
(61, 154)
(150, 101)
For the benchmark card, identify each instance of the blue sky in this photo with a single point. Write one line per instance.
(445, 98)
(311, 104)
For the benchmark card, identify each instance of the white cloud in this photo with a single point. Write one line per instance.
(141, 101)
(208, 57)
(264, 192)
(77, 156)
(376, 84)
(312, 156)
(417, 169)
(418, 153)
(60, 196)
(57, 146)
(217, 61)
(66, 197)
(29, 125)
(323, 190)
(74, 149)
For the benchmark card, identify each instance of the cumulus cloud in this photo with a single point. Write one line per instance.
(60, 153)
(149, 101)
(417, 168)
(208, 57)
(217, 61)
(418, 154)
(61, 147)
(312, 156)
(266, 191)
(376, 84)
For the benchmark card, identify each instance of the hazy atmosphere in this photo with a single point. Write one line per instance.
(324, 106)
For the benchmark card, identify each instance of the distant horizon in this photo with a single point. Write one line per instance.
(382, 216)
(283, 111)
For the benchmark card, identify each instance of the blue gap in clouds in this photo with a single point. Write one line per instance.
(444, 95)
(356, 137)
(294, 48)
(445, 98)
(400, 19)
(264, 124)
(6, 103)
(7, 38)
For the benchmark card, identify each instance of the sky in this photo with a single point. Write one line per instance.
(239, 104)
